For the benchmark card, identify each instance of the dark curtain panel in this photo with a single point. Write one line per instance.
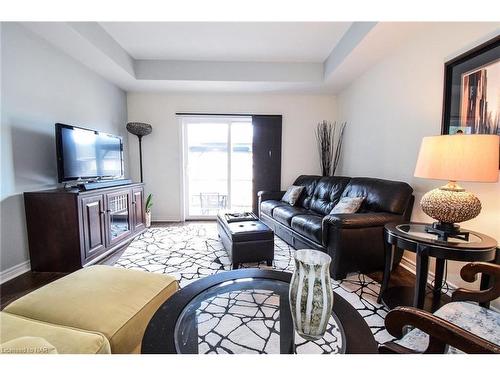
(266, 154)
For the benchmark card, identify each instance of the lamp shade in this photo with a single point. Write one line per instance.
(460, 157)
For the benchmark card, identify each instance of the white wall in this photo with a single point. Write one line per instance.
(397, 102)
(162, 151)
(39, 87)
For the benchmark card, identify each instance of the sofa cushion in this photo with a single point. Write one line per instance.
(113, 301)
(380, 195)
(65, 340)
(309, 183)
(309, 226)
(284, 214)
(327, 194)
(267, 207)
(478, 320)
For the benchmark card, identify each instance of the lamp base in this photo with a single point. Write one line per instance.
(448, 205)
(447, 230)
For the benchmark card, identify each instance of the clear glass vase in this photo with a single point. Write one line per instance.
(311, 295)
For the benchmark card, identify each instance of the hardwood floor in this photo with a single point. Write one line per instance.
(29, 281)
(403, 282)
(24, 284)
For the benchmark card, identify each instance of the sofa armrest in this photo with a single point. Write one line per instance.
(361, 220)
(268, 195)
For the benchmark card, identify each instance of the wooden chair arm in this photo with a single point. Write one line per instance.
(469, 273)
(394, 348)
(440, 331)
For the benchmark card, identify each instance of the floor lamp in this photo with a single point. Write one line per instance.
(140, 129)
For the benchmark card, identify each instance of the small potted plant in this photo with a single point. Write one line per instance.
(149, 204)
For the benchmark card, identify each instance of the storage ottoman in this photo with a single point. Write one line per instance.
(246, 241)
(115, 302)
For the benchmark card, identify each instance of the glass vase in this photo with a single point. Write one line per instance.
(311, 295)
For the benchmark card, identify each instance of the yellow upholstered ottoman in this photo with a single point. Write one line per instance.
(113, 301)
(19, 335)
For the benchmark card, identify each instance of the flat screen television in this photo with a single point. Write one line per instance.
(87, 154)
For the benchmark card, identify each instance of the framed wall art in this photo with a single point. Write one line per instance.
(472, 91)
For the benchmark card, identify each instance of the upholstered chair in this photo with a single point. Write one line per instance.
(466, 324)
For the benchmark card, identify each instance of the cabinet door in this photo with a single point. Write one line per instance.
(118, 215)
(94, 238)
(138, 209)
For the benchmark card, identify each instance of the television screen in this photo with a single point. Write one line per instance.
(87, 154)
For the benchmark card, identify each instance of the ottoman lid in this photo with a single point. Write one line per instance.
(249, 231)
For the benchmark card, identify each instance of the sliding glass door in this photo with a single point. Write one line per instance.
(217, 165)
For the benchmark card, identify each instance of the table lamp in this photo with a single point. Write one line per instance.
(459, 157)
(140, 129)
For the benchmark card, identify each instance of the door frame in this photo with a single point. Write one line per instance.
(184, 185)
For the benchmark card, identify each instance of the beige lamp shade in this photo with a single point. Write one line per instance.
(460, 157)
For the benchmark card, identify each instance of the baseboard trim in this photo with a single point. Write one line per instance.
(411, 266)
(14, 271)
(165, 221)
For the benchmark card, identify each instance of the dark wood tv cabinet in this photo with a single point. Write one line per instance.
(70, 229)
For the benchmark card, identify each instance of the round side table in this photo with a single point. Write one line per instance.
(413, 237)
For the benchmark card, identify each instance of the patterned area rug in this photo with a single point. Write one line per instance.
(244, 318)
(192, 250)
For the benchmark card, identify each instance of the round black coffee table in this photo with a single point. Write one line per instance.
(414, 237)
(247, 311)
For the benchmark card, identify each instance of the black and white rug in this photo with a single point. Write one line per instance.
(244, 318)
(192, 250)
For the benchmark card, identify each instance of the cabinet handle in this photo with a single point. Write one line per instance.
(101, 212)
(133, 202)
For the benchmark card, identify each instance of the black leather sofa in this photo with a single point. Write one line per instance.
(354, 241)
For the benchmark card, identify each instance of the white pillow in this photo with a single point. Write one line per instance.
(347, 205)
(292, 194)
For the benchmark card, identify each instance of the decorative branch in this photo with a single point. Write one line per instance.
(329, 145)
(338, 149)
(324, 132)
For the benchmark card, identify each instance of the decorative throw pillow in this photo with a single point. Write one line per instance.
(347, 205)
(292, 195)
